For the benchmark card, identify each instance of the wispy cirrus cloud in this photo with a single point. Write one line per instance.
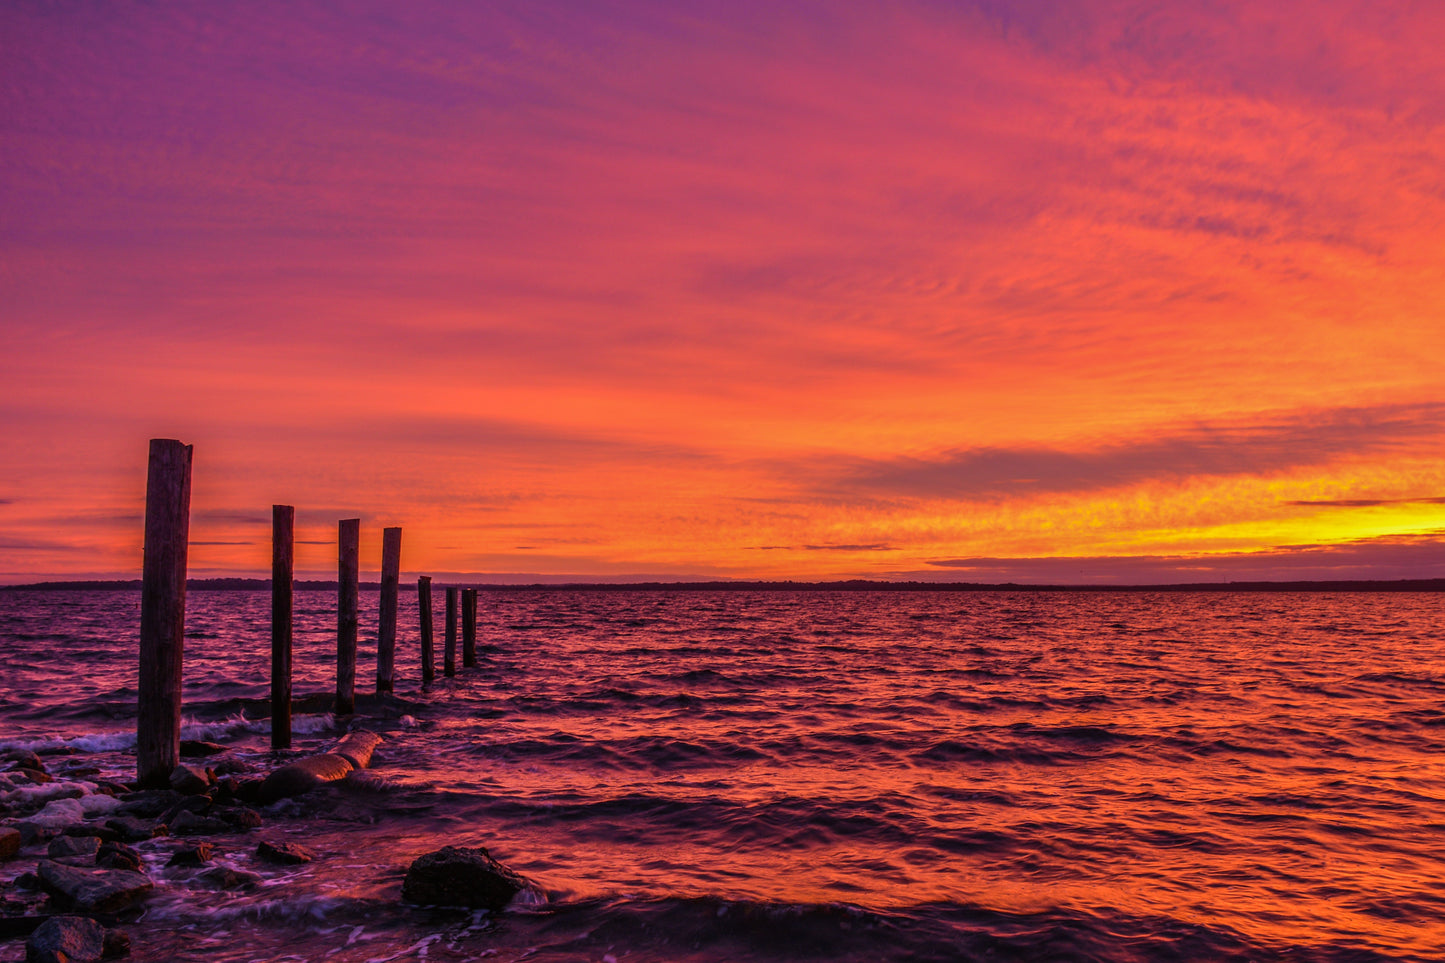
(1385, 557)
(1363, 502)
(1202, 450)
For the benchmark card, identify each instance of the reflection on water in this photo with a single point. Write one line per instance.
(1070, 775)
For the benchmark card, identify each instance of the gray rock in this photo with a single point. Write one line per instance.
(66, 939)
(189, 824)
(9, 843)
(187, 804)
(74, 846)
(284, 854)
(23, 759)
(224, 877)
(118, 856)
(93, 890)
(453, 876)
(129, 829)
(192, 748)
(190, 780)
(148, 803)
(197, 855)
(117, 943)
(238, 817)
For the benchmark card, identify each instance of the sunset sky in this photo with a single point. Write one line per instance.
(1042, 291)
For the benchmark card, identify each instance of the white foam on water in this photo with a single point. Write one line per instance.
(103, 742)
(322, 722)
(419, 949)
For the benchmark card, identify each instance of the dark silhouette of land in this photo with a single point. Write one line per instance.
(852, 585)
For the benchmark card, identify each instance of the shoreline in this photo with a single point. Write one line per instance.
(851, 585)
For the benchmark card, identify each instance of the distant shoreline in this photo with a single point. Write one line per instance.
(853, 585)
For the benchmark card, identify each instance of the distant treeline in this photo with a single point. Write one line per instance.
(853, 585)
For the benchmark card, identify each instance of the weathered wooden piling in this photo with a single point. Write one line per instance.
(423, 604)
(163, 610)
(449, 660)
(348, 561)
(283, 529)
(386, 629)
(469, 628)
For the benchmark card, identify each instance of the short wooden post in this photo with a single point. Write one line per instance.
(348, 561)
(449, 660)
(163, 611)
(283, 529)
(469, 628)
(423, 604)
(386, 630)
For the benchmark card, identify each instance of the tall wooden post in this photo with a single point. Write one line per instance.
(423, 604)
(348, 561)
(386, 630)
(163, 611)
(450, 660)
(469, 627)
(283, 528)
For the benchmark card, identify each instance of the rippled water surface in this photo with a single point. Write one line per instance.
(852, 775)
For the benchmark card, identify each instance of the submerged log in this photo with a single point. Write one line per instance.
(352, 752)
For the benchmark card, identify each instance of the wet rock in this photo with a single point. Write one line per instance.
(189, 824)
(37, 776)
(66, 939)
(453, 876)
(238, 817)
(59, 813)
(187, 804)
(117, 943)
(284, 854)
(30, 833)
(190, 780)
(93, 890)
(9, 843)
(129, 829)
(88, 829)
(248, 790)
(113, 788)
(224, 877)
(196, 748)
(23, 759)
(229, 765)
(118, 856)
(149, 803)
(197, 855)
(64, 846)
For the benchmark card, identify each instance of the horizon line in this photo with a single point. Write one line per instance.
(247, 583)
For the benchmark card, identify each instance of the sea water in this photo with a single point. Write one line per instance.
(772, 775)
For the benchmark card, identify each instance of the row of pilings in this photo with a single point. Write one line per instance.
(163, 606)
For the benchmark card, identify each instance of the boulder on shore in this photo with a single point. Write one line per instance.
(66, 939)
(453, 876)
(284, 854)
(9, 843)
(93, 890)
(190, 780)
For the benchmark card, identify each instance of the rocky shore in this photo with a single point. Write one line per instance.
(81, 855)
